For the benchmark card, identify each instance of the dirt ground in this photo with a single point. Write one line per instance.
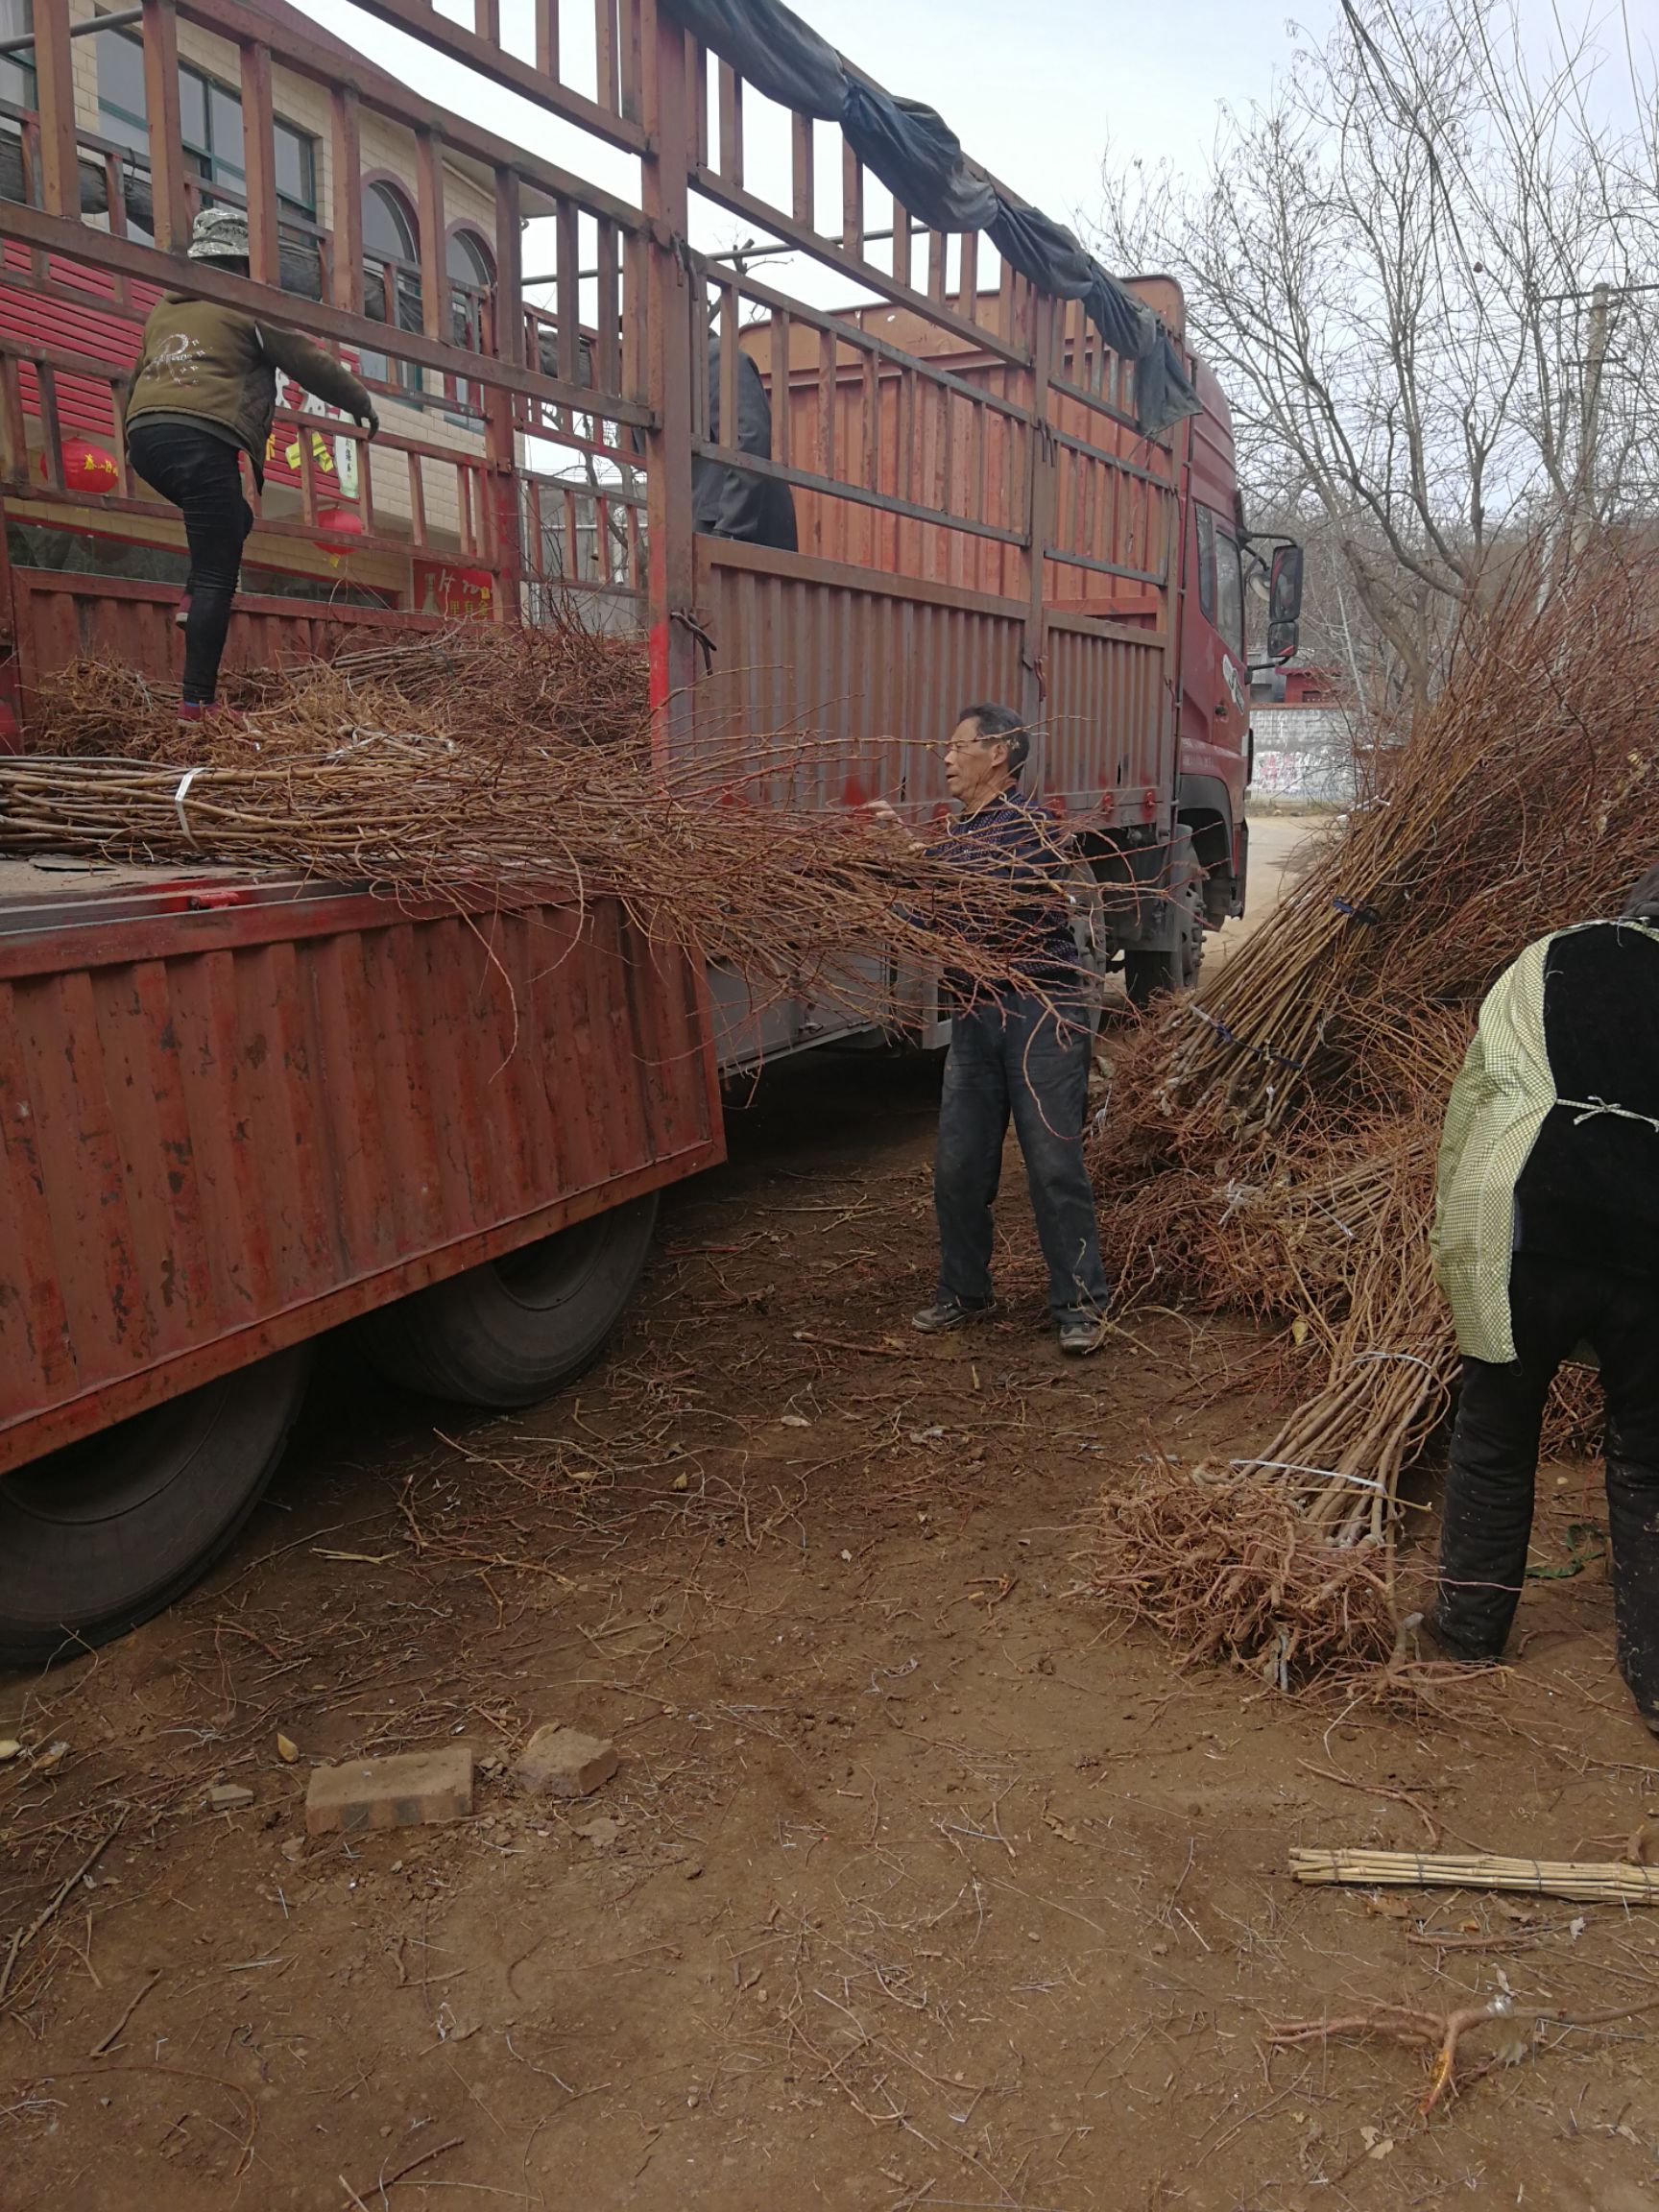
(921, 1883)
(1282, 844)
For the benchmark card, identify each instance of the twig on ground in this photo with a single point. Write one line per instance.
(1378, 1789)
(386, 2181)
(105, 2041)
(1443, 2032)
(24, 1937)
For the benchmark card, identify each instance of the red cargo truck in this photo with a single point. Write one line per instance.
(236, 1113)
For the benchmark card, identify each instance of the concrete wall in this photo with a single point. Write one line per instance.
(1302, 754)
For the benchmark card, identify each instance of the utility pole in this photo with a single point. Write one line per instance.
(1584, 489)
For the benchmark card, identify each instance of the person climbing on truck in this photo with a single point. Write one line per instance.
(204, 391)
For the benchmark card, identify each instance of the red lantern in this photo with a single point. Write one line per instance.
(87, 467)
(337, 522)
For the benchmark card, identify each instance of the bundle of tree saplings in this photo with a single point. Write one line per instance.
(1223, 1565)
(1273, 1143)
(494, 764)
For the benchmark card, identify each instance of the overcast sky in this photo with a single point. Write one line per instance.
(1035, 91)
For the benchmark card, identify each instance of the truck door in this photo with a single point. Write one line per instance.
(1214, 710)
(1218, 682)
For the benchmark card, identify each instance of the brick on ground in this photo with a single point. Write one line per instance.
(564, 1763)
(407, 1791)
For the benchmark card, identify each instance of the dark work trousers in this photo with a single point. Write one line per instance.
(1555, 1306)
(1013, 1056)
(203, 477)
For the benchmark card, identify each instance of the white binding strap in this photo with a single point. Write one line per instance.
(1587, 1109)
(178, 798)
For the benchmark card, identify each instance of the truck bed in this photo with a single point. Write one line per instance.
(235, 1110)
(48, 891)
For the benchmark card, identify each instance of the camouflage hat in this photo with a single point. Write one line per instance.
(219, 234)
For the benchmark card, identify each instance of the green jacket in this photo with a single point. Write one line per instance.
(217, 365)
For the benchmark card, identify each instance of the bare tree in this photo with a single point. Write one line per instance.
(1427, 275)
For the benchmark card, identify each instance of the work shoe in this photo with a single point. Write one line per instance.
(1080, 1334)
(1433, 1642)
(947, 1314)
(192, 712)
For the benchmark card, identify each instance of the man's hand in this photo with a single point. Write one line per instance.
(883, 816)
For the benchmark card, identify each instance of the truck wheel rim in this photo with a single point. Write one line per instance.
(555, 1271)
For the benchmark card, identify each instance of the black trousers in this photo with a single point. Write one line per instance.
(1555, 1306)
(1014, 1057)
(203, 477)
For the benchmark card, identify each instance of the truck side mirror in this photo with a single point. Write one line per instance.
(1285, 585)
(1283, 602)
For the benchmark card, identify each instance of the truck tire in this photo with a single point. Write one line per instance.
(514, 1330)
(101, 1535)
(1146, 974)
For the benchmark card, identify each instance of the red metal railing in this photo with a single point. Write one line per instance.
(954, 427)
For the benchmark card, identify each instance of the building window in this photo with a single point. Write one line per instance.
(210, 130)
(295, 171)
(390, 275)
(471, 281)
(472, 272)
(211, 125)
(123, 108)
(17, 91)
(17, 70)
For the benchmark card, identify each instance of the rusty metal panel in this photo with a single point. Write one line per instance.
(830, 687)
(62, 615)
(865, 672)
(1109, 734)
(221, 1135)
(903, 436)
(971, 464)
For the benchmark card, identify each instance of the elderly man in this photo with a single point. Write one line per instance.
(1545, 1239)
(204, 393)
(1015, 1052)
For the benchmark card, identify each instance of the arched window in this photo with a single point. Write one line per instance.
(472, 272)
(391, 272)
